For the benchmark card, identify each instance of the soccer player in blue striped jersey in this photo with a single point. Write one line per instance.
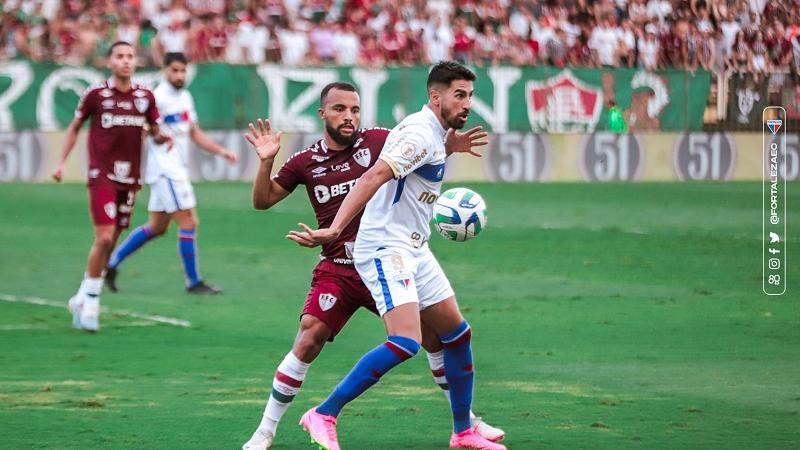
(392, 257)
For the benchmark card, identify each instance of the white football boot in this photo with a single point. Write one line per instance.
(90, 314)
(261, 440)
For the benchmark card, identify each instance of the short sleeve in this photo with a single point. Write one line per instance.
(288, 175)
(85, 106)
(152, 112)
(407, 151)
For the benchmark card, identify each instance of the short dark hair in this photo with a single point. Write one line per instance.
(118, 44)
(337, 85)
(446, 72)
(171, 57)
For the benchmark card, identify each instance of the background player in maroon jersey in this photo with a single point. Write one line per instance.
(119, 111)
(328, 169)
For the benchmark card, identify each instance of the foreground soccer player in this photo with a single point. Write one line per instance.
(328, 169)
(171, 193)
(392, 256)
(119, 110)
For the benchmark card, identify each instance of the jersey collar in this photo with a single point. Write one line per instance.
(432, 117)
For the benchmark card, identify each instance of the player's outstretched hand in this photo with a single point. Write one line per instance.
(458, 142)
(312, 238)
(232, 157)
(265, 143)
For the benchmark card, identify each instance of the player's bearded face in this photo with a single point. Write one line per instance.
(343, 134)
(176, 74)
(456, 102)
(342, 116)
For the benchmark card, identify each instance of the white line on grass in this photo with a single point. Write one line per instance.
(44, 302)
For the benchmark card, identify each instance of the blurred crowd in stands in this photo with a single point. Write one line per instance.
(756, 36)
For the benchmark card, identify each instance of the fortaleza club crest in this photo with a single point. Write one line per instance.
(774, 125)
(563, 103)
(326, 301)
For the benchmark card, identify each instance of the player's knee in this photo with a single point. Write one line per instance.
(430, 340)
(104, 240)
(158, 230)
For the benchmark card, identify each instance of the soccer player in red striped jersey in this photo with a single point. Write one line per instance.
(118, 110)
(328, 169)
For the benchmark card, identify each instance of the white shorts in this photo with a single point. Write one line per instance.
(168, 195)
(395, 277)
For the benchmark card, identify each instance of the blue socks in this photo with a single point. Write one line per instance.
(368, 370)
(188, 250)
(459, 374)
(135, 239)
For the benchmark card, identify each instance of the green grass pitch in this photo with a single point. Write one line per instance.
(605, 317)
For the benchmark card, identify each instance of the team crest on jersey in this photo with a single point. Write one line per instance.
(363, 157)
(141, 104)
(111, 210)
(407, 151)
(106, 93)
(326, 301)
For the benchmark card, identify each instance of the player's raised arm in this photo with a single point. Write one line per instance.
(266, 192)
(69, 143)
(353, 203)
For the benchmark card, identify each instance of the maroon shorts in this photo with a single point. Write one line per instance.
(336, 293)
(111, 203)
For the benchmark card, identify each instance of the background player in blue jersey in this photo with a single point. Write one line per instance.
(167, 173)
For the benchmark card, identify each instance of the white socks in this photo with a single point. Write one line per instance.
(285, 386)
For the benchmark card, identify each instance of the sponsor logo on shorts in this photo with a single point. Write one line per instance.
(111, 210)
(326, 301)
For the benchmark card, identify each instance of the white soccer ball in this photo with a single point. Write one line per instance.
(459, 214)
